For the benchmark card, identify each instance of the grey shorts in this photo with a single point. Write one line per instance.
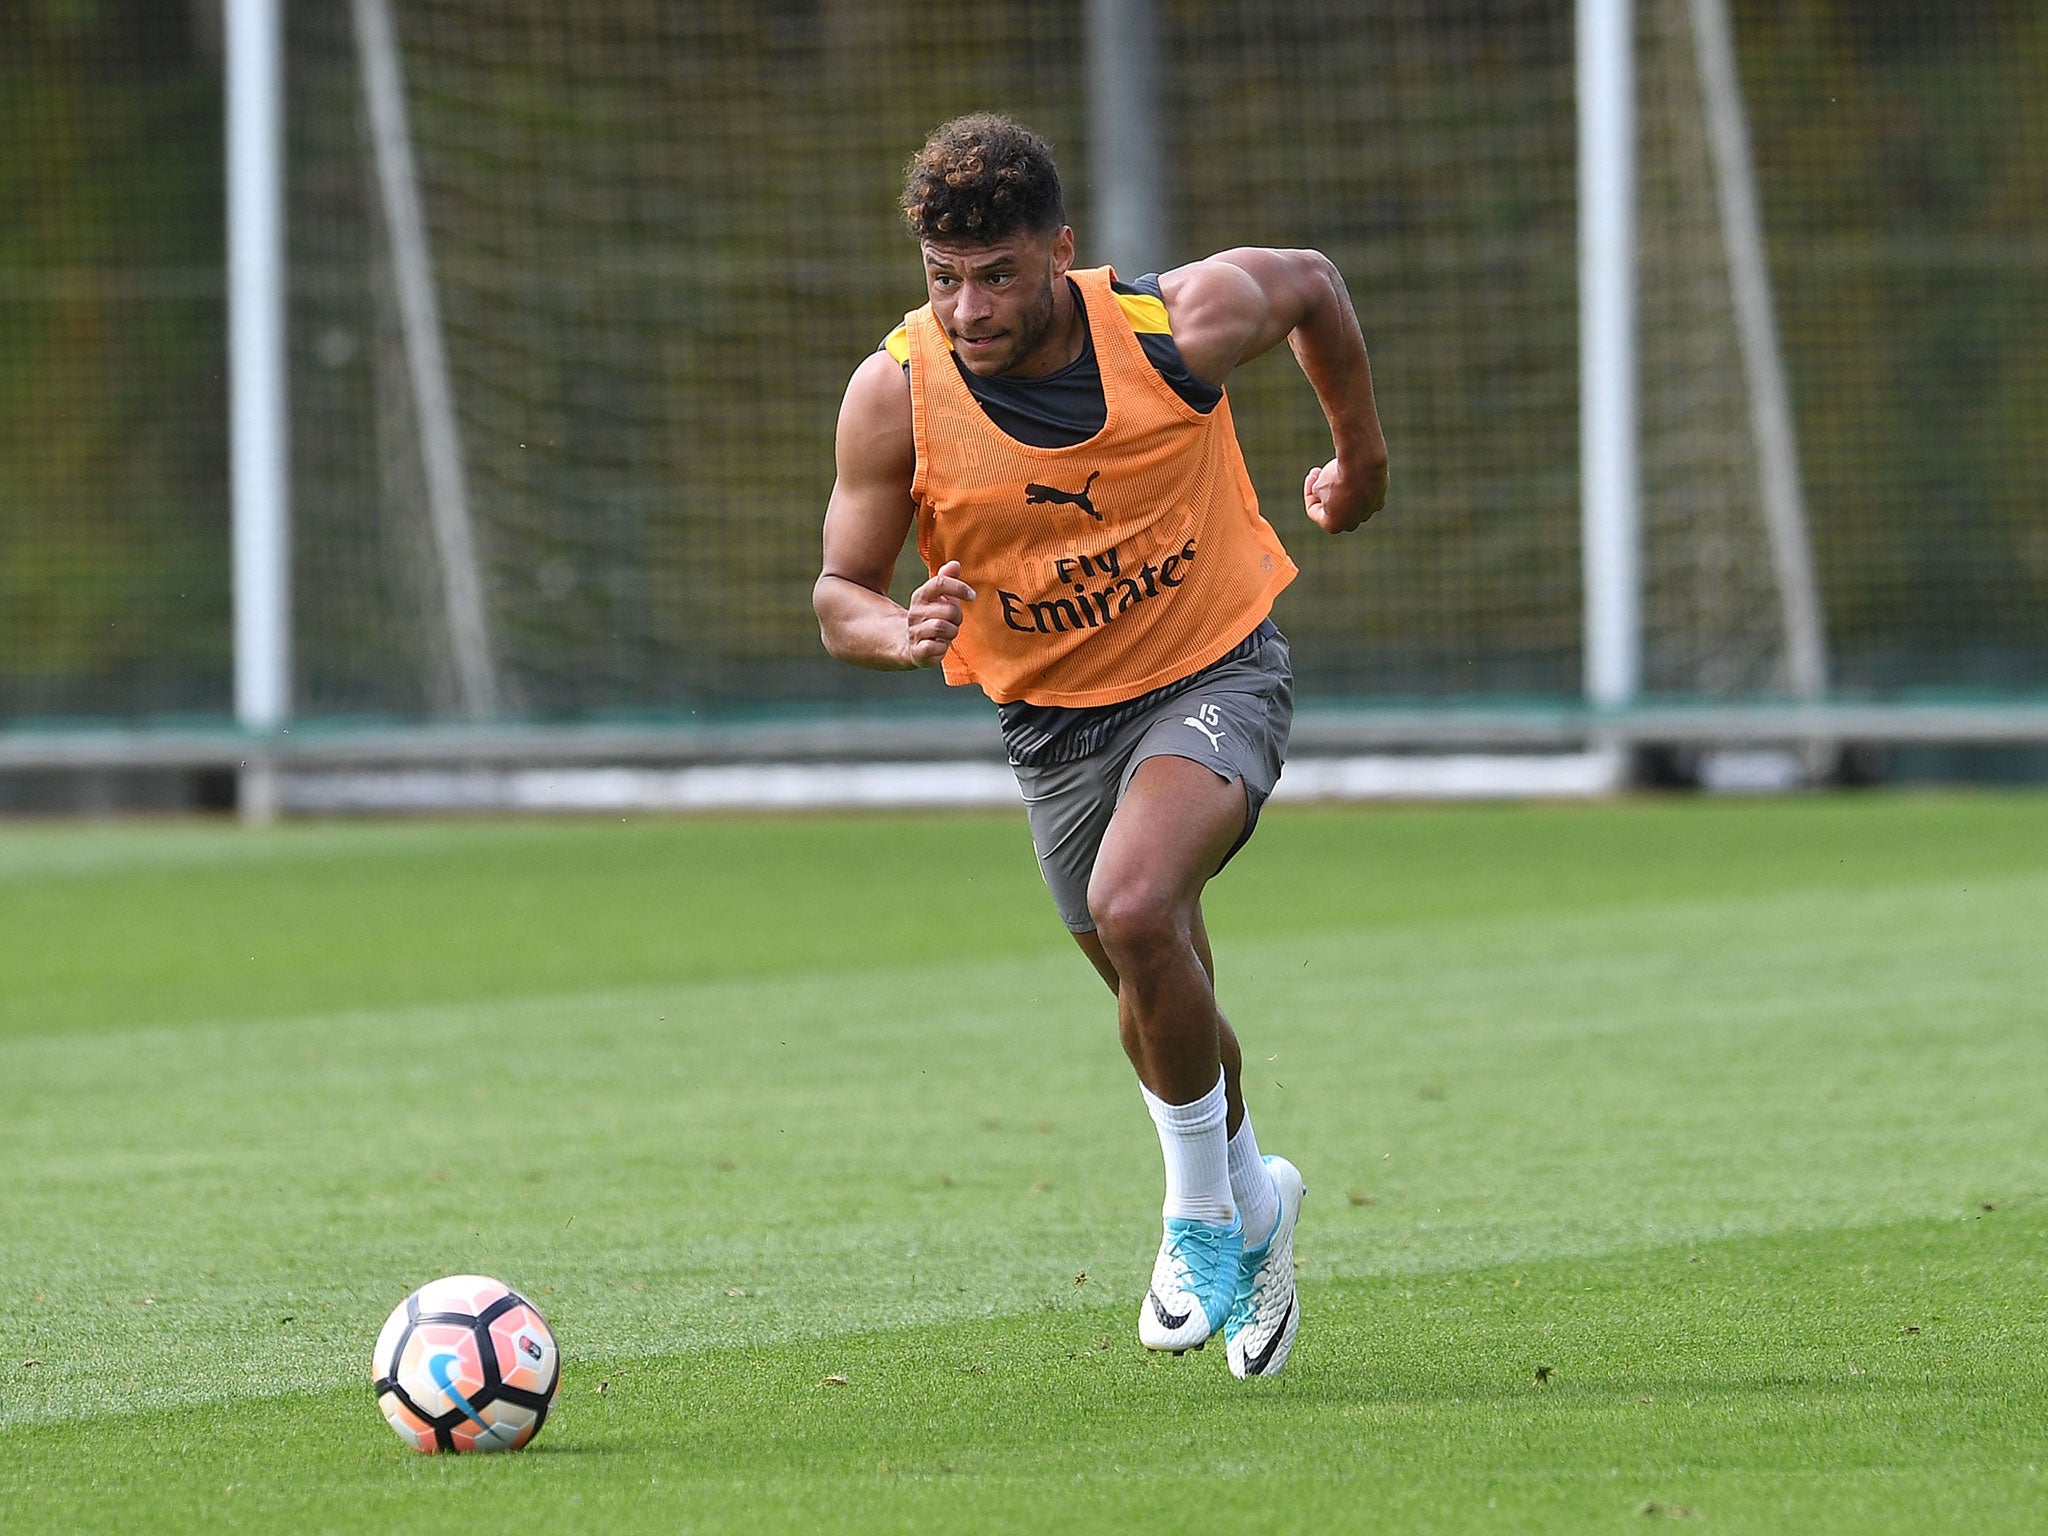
(1234, 722)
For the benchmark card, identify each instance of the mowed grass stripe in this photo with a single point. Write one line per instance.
(1745, 1097)
(108, 928)
(949, 1140)
(1871, 1380)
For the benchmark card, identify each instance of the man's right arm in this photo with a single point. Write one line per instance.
(866, 522)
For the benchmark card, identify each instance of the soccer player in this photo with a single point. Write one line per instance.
(1063, 445)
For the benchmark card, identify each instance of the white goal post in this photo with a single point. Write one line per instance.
(259, 402)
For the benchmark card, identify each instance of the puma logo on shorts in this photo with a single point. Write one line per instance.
(1202, 719)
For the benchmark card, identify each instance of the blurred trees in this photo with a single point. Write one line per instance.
(113, 513)
(1902, 152)
(1902, 149)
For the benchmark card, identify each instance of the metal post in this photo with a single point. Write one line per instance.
(259, 418)
(426, 356)
(1763, 359)
(1608, 408)
(1126, 168)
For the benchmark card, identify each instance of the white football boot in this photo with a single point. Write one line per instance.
(1193, 1282)
(1259, 1333)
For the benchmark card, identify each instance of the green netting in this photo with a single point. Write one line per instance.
(113, 447)
(1902, 151)
(663, 235)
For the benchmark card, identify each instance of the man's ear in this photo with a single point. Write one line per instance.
(1063, 250)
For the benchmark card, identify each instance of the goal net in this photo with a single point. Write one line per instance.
(660, 237)
(574, 292)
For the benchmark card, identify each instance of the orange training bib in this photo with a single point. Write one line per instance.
(1103, 570)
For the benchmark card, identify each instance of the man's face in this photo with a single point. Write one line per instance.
(996, 302)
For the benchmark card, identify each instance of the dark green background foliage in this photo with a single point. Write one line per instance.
(664, 235)
(1912, 269)
(113, 459)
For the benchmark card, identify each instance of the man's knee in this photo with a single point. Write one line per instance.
(1135, 919)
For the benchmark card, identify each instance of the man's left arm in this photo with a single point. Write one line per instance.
(1238, 304)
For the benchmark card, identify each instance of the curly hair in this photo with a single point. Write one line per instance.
(980, 179)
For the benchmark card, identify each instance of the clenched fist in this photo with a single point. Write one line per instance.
(1337, 500)
(935, 615)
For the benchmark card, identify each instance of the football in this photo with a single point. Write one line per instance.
(466, 1364)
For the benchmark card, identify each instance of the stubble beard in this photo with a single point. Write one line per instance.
(1031, 329)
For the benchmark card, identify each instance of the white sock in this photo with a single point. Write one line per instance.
(1193, 1141)
(1251, 1185)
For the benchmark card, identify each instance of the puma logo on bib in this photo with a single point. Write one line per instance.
(1040, 495)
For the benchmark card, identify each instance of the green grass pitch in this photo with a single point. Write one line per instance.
(1728, 1121)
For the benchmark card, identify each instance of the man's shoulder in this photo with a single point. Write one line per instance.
(1144, 305)
(1222, 277)
(879, 392)
(1216, 305)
